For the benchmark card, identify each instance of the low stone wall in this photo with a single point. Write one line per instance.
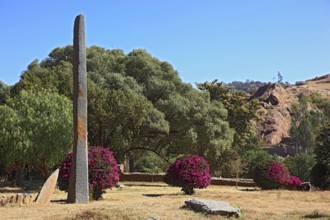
(232, 182)
(145, 177)
(19, 198)
(141, 177)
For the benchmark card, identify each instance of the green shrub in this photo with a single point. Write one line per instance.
(253, 157)
(149, 162)
(320, 176)
(300, 165)
(230, 164)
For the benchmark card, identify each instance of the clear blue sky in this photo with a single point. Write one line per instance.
(204, 40)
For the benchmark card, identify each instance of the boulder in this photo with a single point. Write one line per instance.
(213, 207)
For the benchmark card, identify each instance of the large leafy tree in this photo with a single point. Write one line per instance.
(197, 124)
(35, 131)
(4, 93)
(137, 102)
(241, 111)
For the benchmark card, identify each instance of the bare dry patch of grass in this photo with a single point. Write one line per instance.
(142, 200)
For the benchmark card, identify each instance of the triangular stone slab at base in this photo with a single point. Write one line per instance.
(48, 188)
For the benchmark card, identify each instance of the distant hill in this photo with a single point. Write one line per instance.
(248, 86)
(319, 85)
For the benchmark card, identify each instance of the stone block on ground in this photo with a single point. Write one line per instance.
(12, 199)
(213, 207)
(27, 198)
(3, 200)
(19, 198)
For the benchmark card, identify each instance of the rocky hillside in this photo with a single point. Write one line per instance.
(276, 103)
(275, 112)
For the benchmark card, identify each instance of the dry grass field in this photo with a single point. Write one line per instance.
(142, 200)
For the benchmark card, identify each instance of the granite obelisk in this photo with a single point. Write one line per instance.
(78, 183)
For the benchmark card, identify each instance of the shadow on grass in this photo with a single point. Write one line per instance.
(249, 190)
(59, 201)
(142, 184)
(315, 215)
(159, 195)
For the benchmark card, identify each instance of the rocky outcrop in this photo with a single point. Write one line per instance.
(275, 113)
(275, 106)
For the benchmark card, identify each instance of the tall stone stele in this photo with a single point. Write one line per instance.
(78, 183)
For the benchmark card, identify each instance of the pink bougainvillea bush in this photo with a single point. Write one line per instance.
(189, 172)
(271, 174)
(102, 171)
(293, 183)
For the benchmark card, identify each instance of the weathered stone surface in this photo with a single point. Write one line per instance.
(275, 112)
(213, 207)
(3, 200)
(48, 188)
(12, 199)
(27, 198)
(19, 198)
(78, 183)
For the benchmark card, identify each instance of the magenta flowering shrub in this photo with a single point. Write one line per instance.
(271, 174)
(189, 172)
(102, 171)
(293, 183)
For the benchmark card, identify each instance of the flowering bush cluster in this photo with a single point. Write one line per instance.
(271, 174)
(293, 183)
(102, 171)
(189, 172)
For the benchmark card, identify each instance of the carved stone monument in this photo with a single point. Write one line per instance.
(47, 190)
(78, 183)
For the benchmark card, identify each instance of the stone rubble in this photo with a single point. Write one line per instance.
(19, 198)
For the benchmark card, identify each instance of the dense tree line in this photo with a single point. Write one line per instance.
(137, 106)
(136, 103)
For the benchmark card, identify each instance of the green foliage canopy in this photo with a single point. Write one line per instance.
(241, 111)
(35, 130)
(137, 102)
